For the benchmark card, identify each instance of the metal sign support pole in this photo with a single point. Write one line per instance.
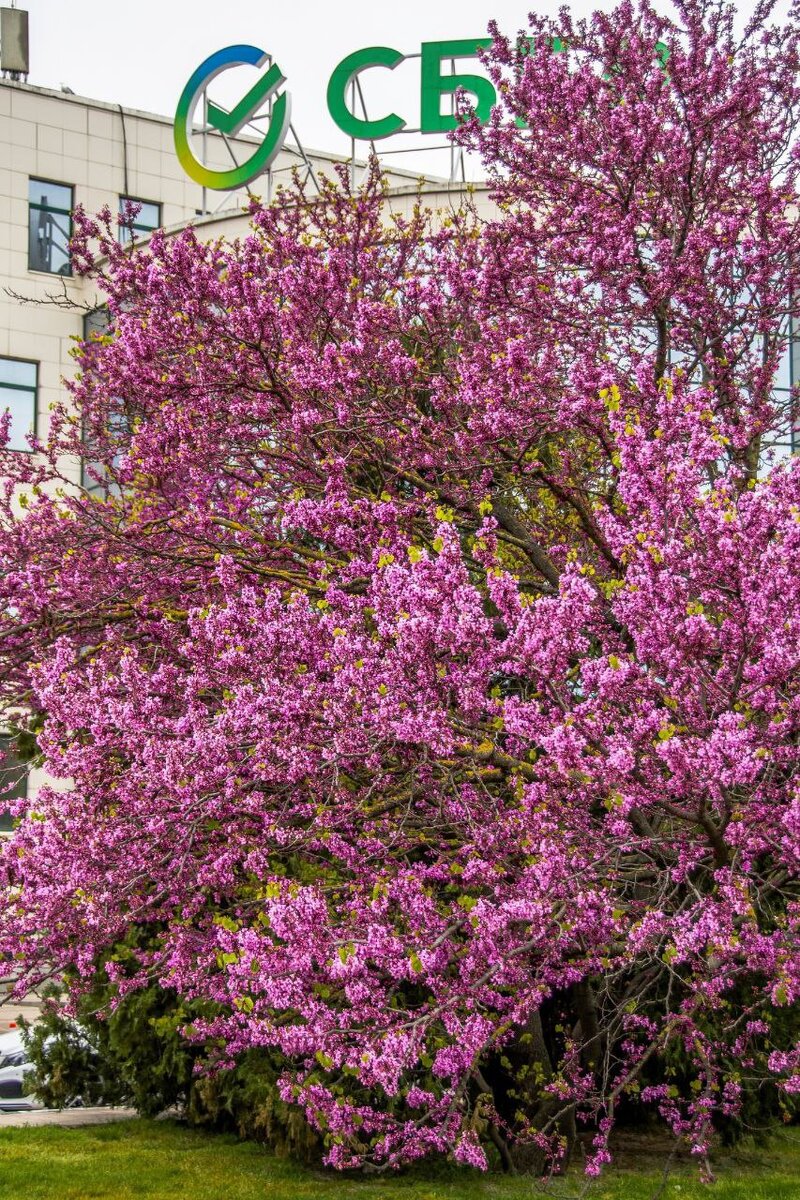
(352, 139)
(203, 203)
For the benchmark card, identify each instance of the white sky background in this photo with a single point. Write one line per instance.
(141, 54)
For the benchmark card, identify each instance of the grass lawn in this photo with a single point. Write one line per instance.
(164, 1161)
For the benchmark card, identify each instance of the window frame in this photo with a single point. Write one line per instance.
(7, 739)
(34, 206)
(20, 387)
(137, 229)
(787, 443)
(794, 354)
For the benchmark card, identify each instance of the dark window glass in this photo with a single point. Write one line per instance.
(146, 220)
(49, 226)
(18, 380)
(13, 779)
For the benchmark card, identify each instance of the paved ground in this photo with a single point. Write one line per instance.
(65, 1116)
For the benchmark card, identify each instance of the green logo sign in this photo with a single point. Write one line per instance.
(433, 85)
(229, 124)
(435, 82)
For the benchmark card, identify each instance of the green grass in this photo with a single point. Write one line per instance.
(165, 1161)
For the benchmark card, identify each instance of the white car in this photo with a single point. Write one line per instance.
(14, 1065)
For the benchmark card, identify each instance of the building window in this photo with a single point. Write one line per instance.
(784, 440)
(96, 324)
(18, 380)
(146, 220)
(99, 476)
(95, 475)
(49, 226)
(13, 780)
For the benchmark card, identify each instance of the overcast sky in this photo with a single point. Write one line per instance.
(141, 54)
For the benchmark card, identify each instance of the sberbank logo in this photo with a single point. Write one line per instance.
(438, 79)
(229, 124)
(440, 82)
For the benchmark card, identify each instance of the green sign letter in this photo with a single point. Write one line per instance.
(343, 76)
(435, 85)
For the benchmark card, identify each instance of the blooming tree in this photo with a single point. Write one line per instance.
(423, 650)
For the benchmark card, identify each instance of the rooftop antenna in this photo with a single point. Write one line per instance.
(14, 57)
